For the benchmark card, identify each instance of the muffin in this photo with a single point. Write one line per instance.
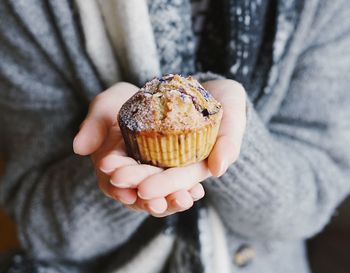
(170, 122)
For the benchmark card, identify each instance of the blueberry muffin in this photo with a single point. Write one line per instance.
(171, 121)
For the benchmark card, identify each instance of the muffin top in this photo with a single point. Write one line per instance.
(171, 103)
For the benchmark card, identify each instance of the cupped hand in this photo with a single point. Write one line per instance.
(143, 187)
(100, 137)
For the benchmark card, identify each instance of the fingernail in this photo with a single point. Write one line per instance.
(119, 184)
(139, 194)
(196, 196)
(155, 208)
(74, 143)
(177, 203)
(184, 203)
(223, 167)
(106, 170)
(109, 164)
(126, 201)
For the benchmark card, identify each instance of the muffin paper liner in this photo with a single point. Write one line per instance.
(171, 149)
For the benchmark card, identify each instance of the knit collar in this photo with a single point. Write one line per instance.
(242, 39)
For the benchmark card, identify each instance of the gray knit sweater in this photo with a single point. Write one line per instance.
(293, 171)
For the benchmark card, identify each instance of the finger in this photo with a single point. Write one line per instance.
(176, 202)
(90, 136)
(113, 143)
(172, 180)
(131, 176)
(141, 205)
(226, 150)
(197, 192)
(112, 154)
(113, 161)
(179, 201)
(154, 207)
(125, 196)
(102, 114)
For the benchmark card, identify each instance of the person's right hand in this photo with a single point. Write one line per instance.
(100, 137)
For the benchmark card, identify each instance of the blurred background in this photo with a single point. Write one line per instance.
(329, 252)
(8, 239)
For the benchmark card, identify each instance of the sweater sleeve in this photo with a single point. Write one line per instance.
(294, 171)
(51, 193)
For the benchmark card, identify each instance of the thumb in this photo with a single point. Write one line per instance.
(102, 115)
(226, 150)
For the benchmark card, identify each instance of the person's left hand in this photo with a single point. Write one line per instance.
(162, 192)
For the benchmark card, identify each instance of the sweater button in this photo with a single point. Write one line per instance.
(244, 255)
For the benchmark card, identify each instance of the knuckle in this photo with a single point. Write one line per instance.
(237, 87)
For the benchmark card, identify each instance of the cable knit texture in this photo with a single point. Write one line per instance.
(293, 170)
(171, 21)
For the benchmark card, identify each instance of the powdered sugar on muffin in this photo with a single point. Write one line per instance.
(171, 103)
